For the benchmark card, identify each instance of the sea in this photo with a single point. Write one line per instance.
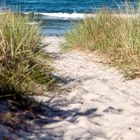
(56, 17)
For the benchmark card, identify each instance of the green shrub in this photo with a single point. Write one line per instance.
(22, 67)
(115, 36)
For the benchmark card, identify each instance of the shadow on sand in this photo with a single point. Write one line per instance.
(32, 123)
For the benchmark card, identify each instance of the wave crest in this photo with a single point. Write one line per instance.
(63, 16)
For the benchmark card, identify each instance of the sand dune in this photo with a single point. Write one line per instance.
(97, 103)
(94, 86)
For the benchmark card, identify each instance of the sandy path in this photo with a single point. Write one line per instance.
(98, 103)
(108, 106)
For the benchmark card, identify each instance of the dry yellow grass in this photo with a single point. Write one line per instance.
(22, 66)
(116, 37)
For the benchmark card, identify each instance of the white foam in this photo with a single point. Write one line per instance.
(64, 16)
(77, 16)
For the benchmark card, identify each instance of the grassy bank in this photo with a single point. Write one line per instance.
(115, 37)
(24, 66)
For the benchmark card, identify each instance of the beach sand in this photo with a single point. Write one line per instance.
(97, 103)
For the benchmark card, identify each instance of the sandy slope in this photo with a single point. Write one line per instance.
(109, 106)
(98, 103)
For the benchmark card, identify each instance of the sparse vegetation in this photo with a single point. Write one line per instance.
(24, 66)
(116, 37)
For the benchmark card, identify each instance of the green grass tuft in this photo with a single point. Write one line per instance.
(23, 68)
(117, 37)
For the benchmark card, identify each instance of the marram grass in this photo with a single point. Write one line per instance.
(22, 66)
(116, 37)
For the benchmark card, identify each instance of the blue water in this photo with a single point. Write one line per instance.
(57, 16)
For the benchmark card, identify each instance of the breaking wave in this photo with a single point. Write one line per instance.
(63, 16)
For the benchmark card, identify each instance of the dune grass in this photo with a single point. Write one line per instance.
(115, 37)
(24, 66)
